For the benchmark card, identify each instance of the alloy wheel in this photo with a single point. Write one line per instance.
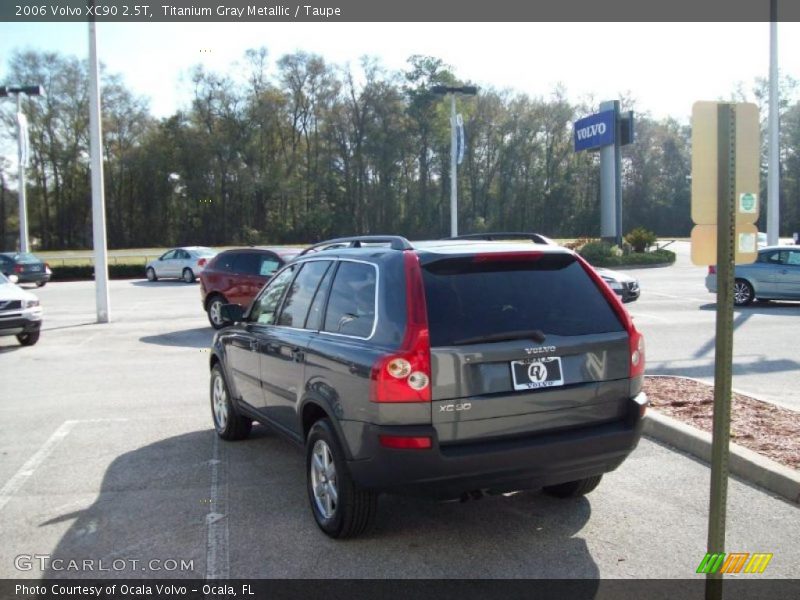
(323, 480)
(220, 403)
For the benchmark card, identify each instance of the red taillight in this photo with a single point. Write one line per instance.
(404, 442)
(18, 269)
(635, 338)
(506, 257)
(405, 376)
(202, 262)
(712, 270)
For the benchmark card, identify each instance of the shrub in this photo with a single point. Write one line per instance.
(83, 272)
(596, 250)
(641, 239)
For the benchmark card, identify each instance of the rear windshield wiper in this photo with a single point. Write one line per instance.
(533, 334)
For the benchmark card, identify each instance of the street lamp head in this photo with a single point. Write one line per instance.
(30, 90)
(468, 90)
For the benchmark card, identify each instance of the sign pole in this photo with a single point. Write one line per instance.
(726, 191)
(608, 183)
(453, 168)
(618, 175)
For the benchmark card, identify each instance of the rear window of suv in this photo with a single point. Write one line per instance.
(469, 299)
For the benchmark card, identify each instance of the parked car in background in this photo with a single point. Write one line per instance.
(624, 286)
(451, 368)
(20, 312)
(774, 276)
(180, 263)
(236, 276)
(27, 267)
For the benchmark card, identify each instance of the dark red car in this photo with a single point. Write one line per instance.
(236, 276)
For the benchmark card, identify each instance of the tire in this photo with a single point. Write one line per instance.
(228, 423)
(574, 489)
(188, 275)
(350, 511)
(28, 338)
(151, 274)
(214, 311)
(41, 283)
(743, 293)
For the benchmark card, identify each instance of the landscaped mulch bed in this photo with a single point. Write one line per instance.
(762, 427)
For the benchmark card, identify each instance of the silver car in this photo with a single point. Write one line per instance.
(184, 263)
(20, 312)
(774, 276)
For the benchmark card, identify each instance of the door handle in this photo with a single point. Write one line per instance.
(254, 345)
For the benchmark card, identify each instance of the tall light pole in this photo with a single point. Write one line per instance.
(98, 190)
(467, 90)
(22, 154)
(774, 167)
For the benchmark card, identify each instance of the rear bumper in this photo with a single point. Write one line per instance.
(37, 277)
(499, 465)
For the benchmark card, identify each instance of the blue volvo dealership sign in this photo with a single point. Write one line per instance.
(594, 131)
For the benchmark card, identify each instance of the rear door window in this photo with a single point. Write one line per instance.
(247, 263)
(225, 262)
(351, 307)
(301, 293)
(468, 300)
(268, 265)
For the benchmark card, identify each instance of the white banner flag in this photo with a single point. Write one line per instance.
(460, 131)
(22, 123)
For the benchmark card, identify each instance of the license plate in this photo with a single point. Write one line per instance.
(34, 268)
(535, 373)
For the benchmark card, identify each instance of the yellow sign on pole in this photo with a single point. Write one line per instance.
(705, 181)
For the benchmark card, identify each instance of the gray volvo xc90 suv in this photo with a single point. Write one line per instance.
(449, 367)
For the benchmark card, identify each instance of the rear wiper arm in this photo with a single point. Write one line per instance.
(537, 335)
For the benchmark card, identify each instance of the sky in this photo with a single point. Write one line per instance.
(664, 66)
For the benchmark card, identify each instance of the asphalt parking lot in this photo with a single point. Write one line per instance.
(108, 453)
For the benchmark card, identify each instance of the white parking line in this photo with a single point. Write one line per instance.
(24, 473)
(217, 557)
(19, 478)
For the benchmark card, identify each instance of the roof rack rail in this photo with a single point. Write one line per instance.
(506, 235)
(396, 242)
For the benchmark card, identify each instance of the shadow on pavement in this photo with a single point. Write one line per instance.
(772, 307)
(199, 337)
(154, 502)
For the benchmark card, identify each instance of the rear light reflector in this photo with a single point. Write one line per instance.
(404, 442)
(405, 375)
(202, 262)
(18, 268)
(712, 270)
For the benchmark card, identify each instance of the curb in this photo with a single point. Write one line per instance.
(744, 463)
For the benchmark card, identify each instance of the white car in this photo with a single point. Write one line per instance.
(20, 313)
(184, 263)
(624, 286)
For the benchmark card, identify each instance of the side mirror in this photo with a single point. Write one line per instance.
(232, 313)
(13, 278)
